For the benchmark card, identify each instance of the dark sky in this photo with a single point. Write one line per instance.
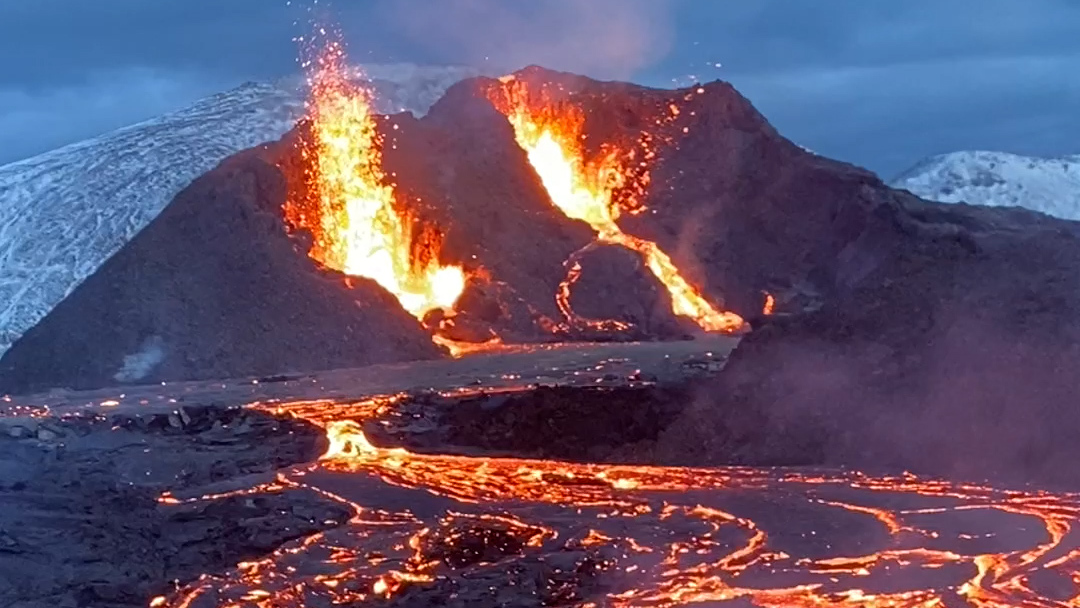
(881, 84)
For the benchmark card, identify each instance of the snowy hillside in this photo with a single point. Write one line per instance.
(63, 213)
(1049, 185)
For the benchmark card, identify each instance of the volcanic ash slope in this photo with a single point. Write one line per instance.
(740, 210)
(64, 212)
(213, 288)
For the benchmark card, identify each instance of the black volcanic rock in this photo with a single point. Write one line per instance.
(615, 285)
(957, 355)
(213, 288)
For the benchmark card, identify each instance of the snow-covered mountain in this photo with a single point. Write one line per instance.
(999, 179)
(65, 212)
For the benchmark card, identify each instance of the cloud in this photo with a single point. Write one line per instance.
(881, 84)
(34, 120)
(602, 38)
(62, 40)
(890, 115)
(775, 34)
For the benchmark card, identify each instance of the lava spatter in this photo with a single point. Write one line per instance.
(357, 224)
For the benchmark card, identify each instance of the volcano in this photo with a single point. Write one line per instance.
(574, 210)
(212, 288)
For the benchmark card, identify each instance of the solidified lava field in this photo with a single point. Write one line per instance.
(235, 502)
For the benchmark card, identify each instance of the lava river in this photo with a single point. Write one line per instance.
(442, 530)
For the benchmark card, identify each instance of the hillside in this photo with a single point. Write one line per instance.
(998, 179)
(65, 212)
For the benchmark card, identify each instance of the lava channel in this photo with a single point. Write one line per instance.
(586, 189)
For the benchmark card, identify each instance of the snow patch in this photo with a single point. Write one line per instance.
(999, 179)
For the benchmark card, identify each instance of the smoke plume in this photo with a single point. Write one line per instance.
(601, 38)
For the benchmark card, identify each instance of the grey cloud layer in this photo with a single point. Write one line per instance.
(877, 83)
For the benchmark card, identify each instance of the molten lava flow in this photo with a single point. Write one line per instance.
(658, 536)
(770, 304)
(586, 190)
(357, 225)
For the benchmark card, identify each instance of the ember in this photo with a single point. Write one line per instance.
(770, 304)
(358, 226)
(598, 190)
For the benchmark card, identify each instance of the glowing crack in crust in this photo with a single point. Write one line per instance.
(655, 536)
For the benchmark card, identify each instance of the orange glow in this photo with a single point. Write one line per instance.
(586, 190)
(651, 523)
(770, 304)
(458, 348)
(358, 226)
(994, 580)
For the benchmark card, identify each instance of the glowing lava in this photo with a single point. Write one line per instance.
(586, 190)
(770, 304)
(921, 543)
(357, 225)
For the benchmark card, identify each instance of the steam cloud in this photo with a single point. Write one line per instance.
(978, 402)
(602, 38)
(139, 364)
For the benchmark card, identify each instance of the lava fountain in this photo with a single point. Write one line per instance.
(552, 136)
(357, 225)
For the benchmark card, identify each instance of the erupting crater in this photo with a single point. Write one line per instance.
(363, 224)
(359, 227)
(598, 189)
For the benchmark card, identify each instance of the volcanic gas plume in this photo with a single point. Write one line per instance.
(598, 190)
(357, 223)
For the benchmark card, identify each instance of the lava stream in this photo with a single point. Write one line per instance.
(649, 536)
(552, 140)
(357, 224)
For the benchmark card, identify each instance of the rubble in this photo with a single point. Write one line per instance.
(561, 423)
(563, 579)
(85, 523)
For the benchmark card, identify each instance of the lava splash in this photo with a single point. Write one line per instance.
(599, 190)
(357, 223)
